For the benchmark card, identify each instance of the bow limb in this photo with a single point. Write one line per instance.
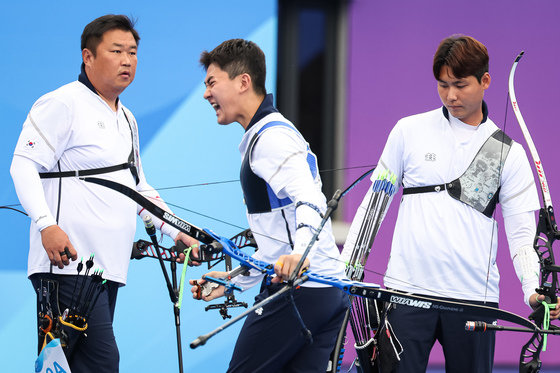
(374, 291)
(157, 211)
(547, 229)
(536, 160)
(547, 233)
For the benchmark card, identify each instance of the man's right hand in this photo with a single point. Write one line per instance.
(199, 285)
(58, 247)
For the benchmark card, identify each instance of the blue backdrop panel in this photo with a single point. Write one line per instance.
(181, 144)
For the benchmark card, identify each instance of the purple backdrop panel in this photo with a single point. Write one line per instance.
(392, 44)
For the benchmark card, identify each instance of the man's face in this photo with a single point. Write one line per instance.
(222, 93)
(462, 96)
(114, 66)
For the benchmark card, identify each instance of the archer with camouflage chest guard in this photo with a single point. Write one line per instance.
(455, 166)
(285, 207)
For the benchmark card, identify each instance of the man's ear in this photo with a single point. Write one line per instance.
(246, 82)
(87, 56)
(485, 80)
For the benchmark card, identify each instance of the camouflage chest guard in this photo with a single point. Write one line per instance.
(479, 185)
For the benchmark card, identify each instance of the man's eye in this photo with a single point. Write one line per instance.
(116, 51)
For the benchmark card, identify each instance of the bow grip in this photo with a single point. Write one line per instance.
(207, 252)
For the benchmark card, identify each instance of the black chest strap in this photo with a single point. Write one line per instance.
(427, 189)
(88, 172)
(131, 164)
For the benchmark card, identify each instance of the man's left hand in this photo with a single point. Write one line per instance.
(536, 299)
(286, 264)
(189, 242)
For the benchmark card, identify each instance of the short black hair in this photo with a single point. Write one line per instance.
(464, 55)
(236, 57)
(93, 32)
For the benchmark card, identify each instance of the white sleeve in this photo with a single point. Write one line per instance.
(520, 230)
(518, 192)
(43, 138)
(281, 158)
(46, 132)
(152, 195)
(392, 158)
(246, 282)
(29, 189)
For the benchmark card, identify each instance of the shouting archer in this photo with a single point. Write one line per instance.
(285, 205)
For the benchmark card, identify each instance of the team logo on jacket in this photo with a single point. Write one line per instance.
(430, 157)
(30, 144)
(101, 125)
(259, 311)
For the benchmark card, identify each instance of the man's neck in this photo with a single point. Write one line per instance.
(112, 101)
(251, 106)
(110, 97)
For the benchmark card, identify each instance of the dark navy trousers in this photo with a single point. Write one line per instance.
(271, 339)
(465, 352)
(96, 351)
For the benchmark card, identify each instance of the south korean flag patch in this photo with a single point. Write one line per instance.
(30, 144)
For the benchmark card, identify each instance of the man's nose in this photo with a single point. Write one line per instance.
(126, 59)
(452, 94)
